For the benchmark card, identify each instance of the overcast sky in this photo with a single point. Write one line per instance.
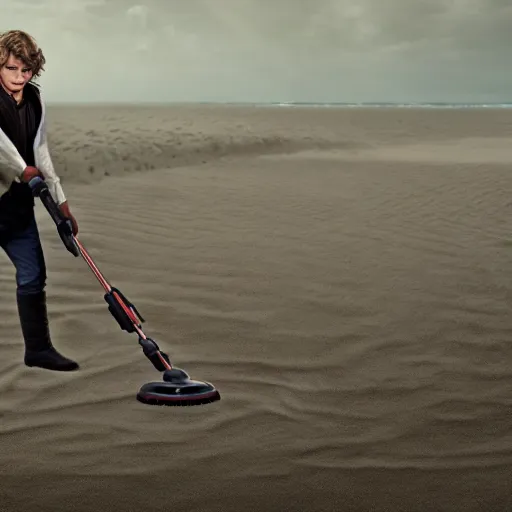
(263, 50)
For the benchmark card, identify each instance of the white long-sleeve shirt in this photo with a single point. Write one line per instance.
(12, 164)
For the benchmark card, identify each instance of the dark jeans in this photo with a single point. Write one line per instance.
(26, 253)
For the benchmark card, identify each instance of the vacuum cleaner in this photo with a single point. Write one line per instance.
(176, 387)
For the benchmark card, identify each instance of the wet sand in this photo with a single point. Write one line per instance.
(342, 276)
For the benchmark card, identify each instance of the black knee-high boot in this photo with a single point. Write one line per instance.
(39, 350)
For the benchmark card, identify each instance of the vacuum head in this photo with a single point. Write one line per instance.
(177, 390)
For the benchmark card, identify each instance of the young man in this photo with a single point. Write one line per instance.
(23, 155)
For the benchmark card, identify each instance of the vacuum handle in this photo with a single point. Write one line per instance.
(64, 226)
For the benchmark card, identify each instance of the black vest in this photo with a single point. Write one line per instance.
(20, 123)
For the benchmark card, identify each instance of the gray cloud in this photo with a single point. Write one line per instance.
(303, 50)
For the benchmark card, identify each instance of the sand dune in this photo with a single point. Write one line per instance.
(342, 276)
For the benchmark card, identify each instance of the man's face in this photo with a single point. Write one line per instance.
(15, 75)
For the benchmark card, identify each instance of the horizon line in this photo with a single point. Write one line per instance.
(283, 103)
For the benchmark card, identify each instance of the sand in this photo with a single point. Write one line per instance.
(342, 276)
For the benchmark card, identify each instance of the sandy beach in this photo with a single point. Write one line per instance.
(343, 277)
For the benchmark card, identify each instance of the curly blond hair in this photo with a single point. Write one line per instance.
(23, 47)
